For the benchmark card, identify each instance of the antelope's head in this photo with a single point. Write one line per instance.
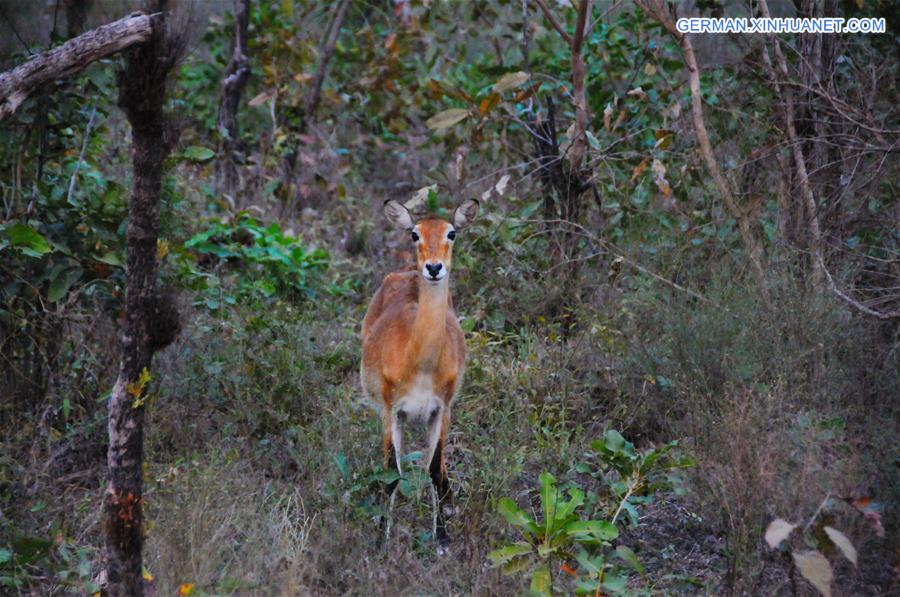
(433, 237)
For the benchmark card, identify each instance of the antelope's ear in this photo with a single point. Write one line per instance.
(397, 214)
(464, 213)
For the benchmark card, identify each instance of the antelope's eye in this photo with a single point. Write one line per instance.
(451, 235)
(415, 236)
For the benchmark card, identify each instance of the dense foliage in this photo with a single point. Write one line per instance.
(630, 305)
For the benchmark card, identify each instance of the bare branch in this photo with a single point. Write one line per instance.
(815, 234)
(658, 10)
(71, 57)
(553, 22)
(853, 302)
(579, 143)
(328, 50)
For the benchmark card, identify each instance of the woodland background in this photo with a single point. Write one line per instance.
(729, 281)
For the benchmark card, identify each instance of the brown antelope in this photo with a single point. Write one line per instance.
(414, 352)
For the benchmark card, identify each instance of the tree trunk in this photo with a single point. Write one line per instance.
(660, 11)
(73, 56)
(151, 322)
(236, 76)
(76, 16)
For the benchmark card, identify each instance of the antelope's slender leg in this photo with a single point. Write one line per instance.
(440, 485)
(392, 446)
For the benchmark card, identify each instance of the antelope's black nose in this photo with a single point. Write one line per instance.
(434, 269)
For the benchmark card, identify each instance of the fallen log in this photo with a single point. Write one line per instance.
(72, 57)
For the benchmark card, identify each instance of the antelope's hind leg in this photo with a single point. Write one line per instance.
(437, 469)
(392, 439)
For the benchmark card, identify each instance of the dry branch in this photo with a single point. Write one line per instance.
(73, 56)
(327, 52)
(659, 10)
(236, 75)
(815, 234)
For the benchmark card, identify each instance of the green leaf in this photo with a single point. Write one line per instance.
(591, 531)
(196, 153)
(651, 457)
(576, 499)
(614, 584)
(540, 580)
(5, 555)
(516, 516)
(446, 119)
(109, 258)
(549, 496)
(613, 441)
(503, 555)
(626, 553)
(24, 236)
(592, 565)
(62, 282)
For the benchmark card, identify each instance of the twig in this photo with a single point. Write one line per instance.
(853, 302)
(84, 143)
(330, 42)
(553, 22)
(816, 513)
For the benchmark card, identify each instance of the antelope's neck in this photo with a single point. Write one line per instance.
(430, 326)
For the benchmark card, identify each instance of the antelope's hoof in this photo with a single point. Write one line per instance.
(443, 544)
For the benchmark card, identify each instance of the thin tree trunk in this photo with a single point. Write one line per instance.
(812, 216)
(331, 38)
(236, 76)
(659, 10)
(76, 16)
(73, 56)
(151, 322)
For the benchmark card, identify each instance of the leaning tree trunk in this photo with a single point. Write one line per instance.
(236, 75)
(151, 321)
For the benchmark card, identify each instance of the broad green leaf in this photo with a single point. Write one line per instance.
(587, 587)
(840, 539)
(62, 282)
(566, 509)
(516, 516)
(446, 119)
(614, 584)
(591, 531)
(501, 556)
(626, 553)
(778, 531)
(549, 497)
(385, 476)
(814, 568)
(196, 153)
(109, 258)
(592, 565)
(651, 457)
(5, 555)
(613, 441)
(27, 237)
(540, 580)
(412, 456)
(510, 81)
(515, 565)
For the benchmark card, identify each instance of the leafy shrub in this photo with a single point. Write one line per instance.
(562, 535)
(269, 262)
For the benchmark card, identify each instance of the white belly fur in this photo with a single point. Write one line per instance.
(419, 402)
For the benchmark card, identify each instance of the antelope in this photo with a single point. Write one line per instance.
(414, 352)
